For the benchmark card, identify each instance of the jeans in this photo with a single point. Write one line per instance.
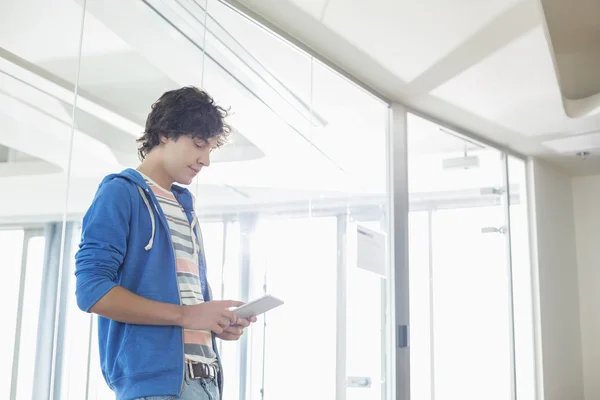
(193, 389)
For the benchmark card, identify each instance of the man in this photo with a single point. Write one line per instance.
(141, 264)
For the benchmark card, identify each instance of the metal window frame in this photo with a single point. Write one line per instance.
(399, 315)
(28, 234)
(61, 317)
(247, 229)
(509, 271)
(341, 308)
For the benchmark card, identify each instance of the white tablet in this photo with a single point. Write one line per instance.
(257, 306)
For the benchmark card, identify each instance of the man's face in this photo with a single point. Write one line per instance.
(185, 156)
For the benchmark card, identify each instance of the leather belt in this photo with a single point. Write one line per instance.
(202, 371)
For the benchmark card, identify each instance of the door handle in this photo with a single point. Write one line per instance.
(359, 382)
(493, 229)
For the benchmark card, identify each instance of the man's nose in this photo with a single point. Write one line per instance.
(204, 160)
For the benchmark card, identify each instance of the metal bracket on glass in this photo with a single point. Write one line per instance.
(359, 382)
(492, 229)
(491, 191)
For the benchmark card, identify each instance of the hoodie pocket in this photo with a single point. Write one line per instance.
(149, 350)
(117, 371)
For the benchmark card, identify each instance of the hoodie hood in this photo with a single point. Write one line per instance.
(183, 196)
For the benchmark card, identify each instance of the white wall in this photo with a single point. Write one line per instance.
(586, 202)
(554, 237)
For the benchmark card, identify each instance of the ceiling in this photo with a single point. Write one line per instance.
(305, 137)
(522, 73)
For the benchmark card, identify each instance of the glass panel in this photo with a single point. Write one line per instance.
(36, 96)
(459, 182)
(301, 336)
(421, 367)
(259, 50)
(290, 170)
(364, 323)
(471, 314)
(74, 360)
(357, 165)
(39, 48)
(11, 248)
(522, 280)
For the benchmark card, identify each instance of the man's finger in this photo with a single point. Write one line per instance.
(224, 322)
(243, 322)
(226, 335)
(217, 329)
(233, 303)
(231, 316)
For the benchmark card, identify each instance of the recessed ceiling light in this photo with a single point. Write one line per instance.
(582, 154)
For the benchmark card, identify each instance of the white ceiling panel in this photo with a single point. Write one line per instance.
(316, 8)
(484, 66)
(517, 88)
(409, 36)
(576, 144)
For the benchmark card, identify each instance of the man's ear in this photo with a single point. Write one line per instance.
(163, 139)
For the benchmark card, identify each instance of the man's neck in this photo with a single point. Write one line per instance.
(155, 172)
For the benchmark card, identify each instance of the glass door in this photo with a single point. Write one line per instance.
(471, 316)
(462, 339)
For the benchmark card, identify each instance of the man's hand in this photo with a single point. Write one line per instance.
(213, 315)
(234, 332)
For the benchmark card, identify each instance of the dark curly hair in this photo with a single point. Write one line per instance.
(186, 111)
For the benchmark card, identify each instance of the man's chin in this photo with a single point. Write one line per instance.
(185, 181)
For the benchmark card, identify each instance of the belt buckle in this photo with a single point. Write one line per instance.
(208, 371)
(190, 368)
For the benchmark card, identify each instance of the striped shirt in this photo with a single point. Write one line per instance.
(198, 345)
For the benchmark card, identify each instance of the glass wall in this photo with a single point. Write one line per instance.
(282, 209)
(279, 206)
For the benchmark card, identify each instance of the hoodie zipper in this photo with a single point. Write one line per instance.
(160, 215)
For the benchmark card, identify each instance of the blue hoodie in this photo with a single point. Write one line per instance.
(126, 241)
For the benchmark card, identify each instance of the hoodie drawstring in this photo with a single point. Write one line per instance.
(194, 236)
(145, 198)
